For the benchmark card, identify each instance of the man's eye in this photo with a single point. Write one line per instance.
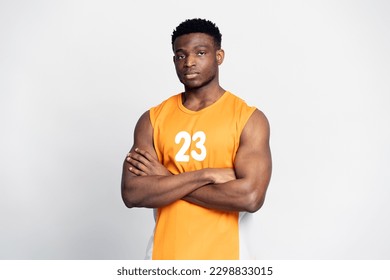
(201, 53)
(179, 57)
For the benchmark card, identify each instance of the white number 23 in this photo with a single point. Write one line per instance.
(199, 137)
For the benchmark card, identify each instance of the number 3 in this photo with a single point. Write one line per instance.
(181, 155)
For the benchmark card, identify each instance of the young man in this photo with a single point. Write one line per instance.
(201, 157)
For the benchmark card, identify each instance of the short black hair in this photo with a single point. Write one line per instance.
(196, 25)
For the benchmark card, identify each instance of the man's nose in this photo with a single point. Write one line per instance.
(190, 61)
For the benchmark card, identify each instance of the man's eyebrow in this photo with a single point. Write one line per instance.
(196, 47)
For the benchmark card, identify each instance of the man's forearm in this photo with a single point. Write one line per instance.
(215, 188)
(236, 195)
(158, 191)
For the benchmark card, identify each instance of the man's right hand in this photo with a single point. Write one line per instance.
(222, 175)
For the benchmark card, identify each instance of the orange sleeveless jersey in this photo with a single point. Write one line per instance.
(188, 140)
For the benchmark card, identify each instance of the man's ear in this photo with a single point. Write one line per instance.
(220, 56)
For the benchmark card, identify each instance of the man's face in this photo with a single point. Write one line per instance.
(196, 59)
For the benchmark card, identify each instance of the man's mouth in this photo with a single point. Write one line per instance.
(191, 75)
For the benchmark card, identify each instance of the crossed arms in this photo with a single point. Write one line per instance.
(147, 183)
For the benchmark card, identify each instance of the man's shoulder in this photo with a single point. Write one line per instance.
(238, 104)
(167, 105)
(237, 99)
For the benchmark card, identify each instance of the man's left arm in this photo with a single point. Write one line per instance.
(253, 167)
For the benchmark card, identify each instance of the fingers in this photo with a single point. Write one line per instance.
(137, 156)
(136, 167)
(136, 171)
(223, 175)
(145, 154)
(144, 163)
(138, 163)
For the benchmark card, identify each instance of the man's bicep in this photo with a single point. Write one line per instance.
(253, 159)
(143, 134)
(143, 139)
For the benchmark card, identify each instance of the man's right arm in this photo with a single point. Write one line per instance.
(155, 191)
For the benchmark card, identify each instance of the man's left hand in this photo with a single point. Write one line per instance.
(144, 164)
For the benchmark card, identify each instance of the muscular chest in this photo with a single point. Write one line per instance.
(189, 142)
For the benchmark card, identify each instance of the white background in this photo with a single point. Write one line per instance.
(76, 75)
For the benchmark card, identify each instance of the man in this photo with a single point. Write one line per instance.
(202, 157)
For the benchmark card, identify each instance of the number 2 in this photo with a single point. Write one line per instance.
(182, 155)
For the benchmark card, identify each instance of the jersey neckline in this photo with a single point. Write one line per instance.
(188, 111)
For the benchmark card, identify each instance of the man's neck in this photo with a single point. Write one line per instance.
(198, 99)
